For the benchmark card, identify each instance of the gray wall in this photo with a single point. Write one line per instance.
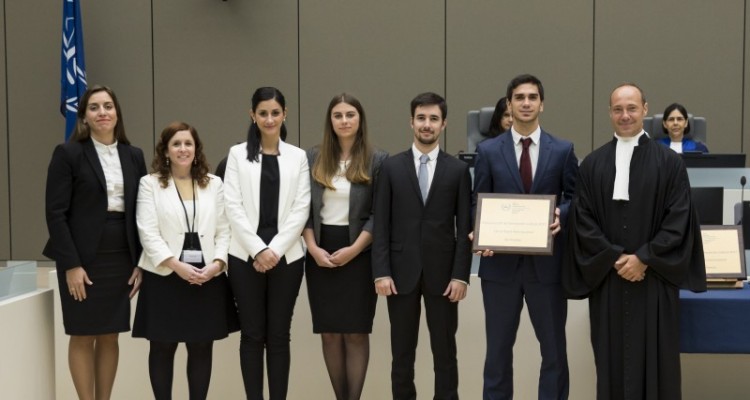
(4, 168)
(200, 60)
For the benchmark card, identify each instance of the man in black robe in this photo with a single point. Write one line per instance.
(634, 241)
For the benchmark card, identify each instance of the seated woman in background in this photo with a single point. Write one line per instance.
(675, 124)
(501, 119)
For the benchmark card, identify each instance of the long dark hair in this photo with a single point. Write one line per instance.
(253, 133)
(199, 169)
(82, 131)
(327, 163)
(497, 116)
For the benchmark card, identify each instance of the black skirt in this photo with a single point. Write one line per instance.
(342, 299)
(172, 310)
(107, 305)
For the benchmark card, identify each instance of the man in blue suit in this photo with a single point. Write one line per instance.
(525, 159)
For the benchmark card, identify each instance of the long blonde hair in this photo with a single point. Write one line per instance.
(326, 165)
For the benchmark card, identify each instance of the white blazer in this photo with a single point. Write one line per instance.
(162, 225)
(242, 200)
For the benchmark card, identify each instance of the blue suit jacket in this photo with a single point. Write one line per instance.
(496, 171)
(687, 144)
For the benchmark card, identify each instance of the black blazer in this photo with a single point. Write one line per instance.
(413, 240)
(76, 202)
(360, 198)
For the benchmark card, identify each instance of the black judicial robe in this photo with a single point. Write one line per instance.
(634, 325)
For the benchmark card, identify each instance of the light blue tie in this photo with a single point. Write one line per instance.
(423, 176)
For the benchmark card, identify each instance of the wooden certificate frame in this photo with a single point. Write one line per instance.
(724, 251)
(514, 223)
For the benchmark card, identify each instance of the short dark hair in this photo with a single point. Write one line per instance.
(253, 133)
(429, 99)
(520, 80)
(679, 107)
(160, 166)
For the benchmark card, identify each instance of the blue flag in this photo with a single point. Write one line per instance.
(73, 79)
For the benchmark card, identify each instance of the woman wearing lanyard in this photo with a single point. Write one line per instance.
(268, 202)
(92, 184)
(185, 295)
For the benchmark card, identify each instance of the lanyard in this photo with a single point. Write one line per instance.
(190, 228)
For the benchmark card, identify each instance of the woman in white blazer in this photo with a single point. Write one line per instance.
(267, 195)
(185, 295)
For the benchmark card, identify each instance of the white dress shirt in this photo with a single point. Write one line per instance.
(335, 209)
(623, 155)
(430, 164)
(533, 147)
(110, 160)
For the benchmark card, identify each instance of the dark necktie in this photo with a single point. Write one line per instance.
(525, 167)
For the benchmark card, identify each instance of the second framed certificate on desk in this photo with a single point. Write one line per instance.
(514, 223)
(723, 251)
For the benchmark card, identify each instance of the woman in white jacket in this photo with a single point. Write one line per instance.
(185, 296)
(267, 192)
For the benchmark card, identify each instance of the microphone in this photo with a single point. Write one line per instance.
(743, 181)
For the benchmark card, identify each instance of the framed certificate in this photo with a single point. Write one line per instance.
(514, 223)
(724, 252)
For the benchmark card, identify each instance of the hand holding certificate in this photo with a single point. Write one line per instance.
(514, 223)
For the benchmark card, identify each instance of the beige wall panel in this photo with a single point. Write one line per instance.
(383, 52)
(113, 43)
(35, 125)
(117, 41)
(210, 56)
(4, 173)
(688, 51)
(489, 42)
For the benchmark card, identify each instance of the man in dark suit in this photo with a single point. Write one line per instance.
(421, 248)
(525, 159)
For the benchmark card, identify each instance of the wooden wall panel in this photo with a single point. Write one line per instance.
(35, 125)
(210, 56)
(4, 167)
(686, 51)
(384, 53)
(490, 42)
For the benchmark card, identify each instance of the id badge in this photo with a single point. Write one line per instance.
(192, 256)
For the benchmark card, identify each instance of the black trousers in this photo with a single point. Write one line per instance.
(265, 302)
(404, 311)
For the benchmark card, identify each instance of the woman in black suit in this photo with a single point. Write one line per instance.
(338, 235)
(92, 185)
(267, 198)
